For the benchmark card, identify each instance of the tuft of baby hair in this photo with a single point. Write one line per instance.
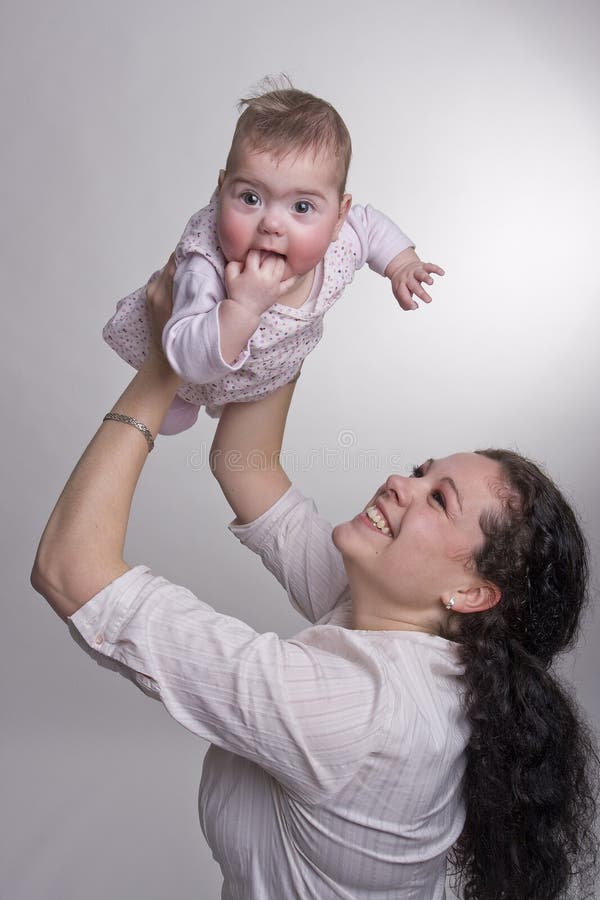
(278, 118)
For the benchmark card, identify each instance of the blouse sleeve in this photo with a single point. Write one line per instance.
(295, 545)
(307, 710)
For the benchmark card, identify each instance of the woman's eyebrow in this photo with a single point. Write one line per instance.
(452, 484)
(450, 481)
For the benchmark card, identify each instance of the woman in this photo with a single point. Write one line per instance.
(419, 715)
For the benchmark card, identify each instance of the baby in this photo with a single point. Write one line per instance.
(258, 268)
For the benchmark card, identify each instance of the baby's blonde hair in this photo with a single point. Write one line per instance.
(281, 119)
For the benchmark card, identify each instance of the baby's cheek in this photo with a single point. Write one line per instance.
(308, 250)
(233, 237)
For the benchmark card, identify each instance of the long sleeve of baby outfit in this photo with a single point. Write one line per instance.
(376, 238)
(191, 338)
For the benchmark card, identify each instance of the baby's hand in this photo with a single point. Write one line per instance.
(257, 284)
(407, 274)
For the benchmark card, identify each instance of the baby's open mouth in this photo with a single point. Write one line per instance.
(265, 253)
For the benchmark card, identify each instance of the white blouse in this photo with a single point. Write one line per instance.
(338, 755)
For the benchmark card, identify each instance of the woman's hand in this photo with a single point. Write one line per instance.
(159, 298)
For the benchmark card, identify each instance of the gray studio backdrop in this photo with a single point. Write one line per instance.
(475, 127)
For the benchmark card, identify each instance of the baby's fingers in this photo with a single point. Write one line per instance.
(433, 269)
(253, 260)
(416, 286)
(404, 298)
(289, 283)
(422, 294)
(233, 269)
(273, 265)
(421, 275)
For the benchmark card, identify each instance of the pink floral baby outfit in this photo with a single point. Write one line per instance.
(285, 336)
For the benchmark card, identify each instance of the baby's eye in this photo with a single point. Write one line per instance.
(302, 207)
(417, 472)
(250, 198)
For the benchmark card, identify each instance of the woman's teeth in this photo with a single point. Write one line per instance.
(377, 519)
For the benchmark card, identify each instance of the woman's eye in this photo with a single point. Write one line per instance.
(437, 496)
(250, 198)
(439, 499)
(302, 206)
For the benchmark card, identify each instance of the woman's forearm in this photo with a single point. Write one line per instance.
(81, 550)
(245, 453)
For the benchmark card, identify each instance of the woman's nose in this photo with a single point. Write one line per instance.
(402, 487)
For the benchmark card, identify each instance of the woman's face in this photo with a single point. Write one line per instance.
(417, 552)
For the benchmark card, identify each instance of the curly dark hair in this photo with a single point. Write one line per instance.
(532, 769)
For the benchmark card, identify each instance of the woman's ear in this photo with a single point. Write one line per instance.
(473, 599)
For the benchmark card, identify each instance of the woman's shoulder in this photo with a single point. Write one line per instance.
(419, 676)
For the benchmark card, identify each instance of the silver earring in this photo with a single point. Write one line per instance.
(450, 603)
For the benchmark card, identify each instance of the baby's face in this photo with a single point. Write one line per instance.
(289, 206)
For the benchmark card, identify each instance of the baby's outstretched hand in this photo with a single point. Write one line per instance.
(407, 274)
(257, 283)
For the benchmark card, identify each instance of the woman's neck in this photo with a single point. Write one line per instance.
(372, 612)
(365, 621)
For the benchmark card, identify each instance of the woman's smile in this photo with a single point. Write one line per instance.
(374, 519)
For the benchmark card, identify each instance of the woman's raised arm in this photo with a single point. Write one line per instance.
(81, 549)
(245, 453)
